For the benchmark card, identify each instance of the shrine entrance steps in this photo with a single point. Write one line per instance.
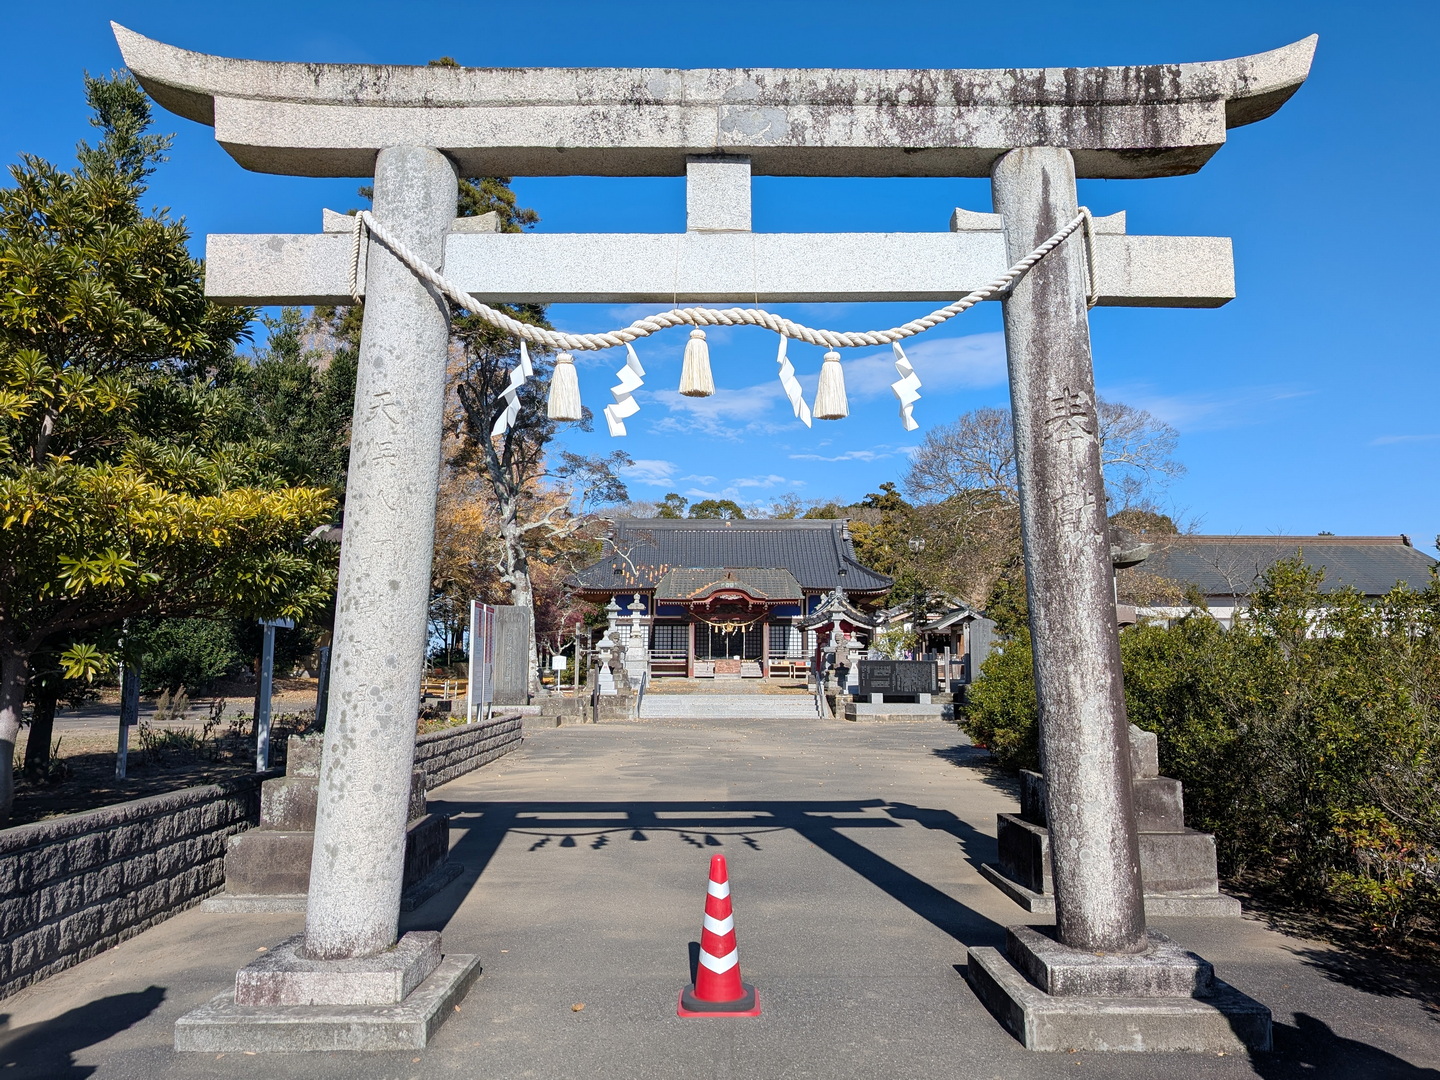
(710, 706)
(777, 685)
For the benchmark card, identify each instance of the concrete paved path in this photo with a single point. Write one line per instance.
(853, 852)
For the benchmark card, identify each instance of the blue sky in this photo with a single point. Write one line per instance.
(1311, 402)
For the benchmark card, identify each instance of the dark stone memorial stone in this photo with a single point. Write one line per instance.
(898, 677)
(512, 655)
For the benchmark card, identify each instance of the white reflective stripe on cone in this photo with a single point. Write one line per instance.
(720, 926)
(720, 964)
(718, 889)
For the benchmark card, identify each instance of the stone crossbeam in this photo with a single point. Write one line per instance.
(718, 268)
(332, 119)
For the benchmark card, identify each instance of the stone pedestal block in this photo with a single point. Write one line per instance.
(1217, 1019)
(1159, 805)
(222, 1026)
(1177, 865)
(288, 802)
(268, 862)
(268, 868)
(1177, 870)
(1164, 970)
(284, 976)
(873, 710)
(1025, 853)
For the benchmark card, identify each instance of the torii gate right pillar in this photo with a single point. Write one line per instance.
(1084, 747)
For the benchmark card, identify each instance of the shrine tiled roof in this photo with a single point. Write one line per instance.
(1232, 565)
(817, 553)
(763, 583)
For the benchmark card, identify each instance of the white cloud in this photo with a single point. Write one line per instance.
(650, 471)
(1386, 440)
(742, 404)
(725, 414)
(759, 481)
(735, 488)
(853, 455)
(1205, 411)
(943, 364)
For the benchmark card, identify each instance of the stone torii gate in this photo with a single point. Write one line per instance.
(1103, 980)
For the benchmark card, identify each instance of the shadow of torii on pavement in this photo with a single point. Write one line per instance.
(824, 823)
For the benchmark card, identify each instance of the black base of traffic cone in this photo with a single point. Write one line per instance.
(746, 1005)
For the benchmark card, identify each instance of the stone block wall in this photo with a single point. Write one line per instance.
(73, 886)
(444, 755)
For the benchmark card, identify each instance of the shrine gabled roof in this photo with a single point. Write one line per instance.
(762, 583)
(817, 553)
(1233, 565)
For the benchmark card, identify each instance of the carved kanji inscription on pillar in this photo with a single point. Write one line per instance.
(1071, 416)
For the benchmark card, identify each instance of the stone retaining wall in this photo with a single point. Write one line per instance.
(444, 755)
(73, 886)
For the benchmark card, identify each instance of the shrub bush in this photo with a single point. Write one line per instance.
(1307, 737)
(186, 652)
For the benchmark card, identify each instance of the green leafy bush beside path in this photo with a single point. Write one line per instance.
(1307, 738)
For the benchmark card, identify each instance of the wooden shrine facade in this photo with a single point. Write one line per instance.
(729, 599)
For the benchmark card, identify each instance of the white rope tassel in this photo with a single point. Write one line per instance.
(631, 377)
(907, 387)
(695, 380)
(792, 384)
(564, 402)
(830, 403)
(511, 394)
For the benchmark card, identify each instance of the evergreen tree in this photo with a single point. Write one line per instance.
(125, 487)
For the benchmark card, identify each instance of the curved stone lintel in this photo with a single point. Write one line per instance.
(330, 119)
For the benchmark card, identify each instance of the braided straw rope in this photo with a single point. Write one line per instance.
(831, 339)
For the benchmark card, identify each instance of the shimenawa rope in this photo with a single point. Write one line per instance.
(832, 339)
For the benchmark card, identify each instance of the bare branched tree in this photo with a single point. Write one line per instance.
(973, 458)
(542, 502)
(963, 479)
(1135, 451)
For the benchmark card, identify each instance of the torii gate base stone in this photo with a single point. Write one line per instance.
(1100, 980)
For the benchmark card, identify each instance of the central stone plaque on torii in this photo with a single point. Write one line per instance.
(1102, 980)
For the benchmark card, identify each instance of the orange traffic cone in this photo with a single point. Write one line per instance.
(717, 989)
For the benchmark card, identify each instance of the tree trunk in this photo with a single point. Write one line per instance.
(42, 728)
(14, 671)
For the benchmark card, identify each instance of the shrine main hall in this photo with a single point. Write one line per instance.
(734, 598)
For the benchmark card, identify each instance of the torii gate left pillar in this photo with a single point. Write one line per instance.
(1032, 132)
(380, 612)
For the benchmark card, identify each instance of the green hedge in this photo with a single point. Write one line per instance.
(1307, 737)
(186, 652)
